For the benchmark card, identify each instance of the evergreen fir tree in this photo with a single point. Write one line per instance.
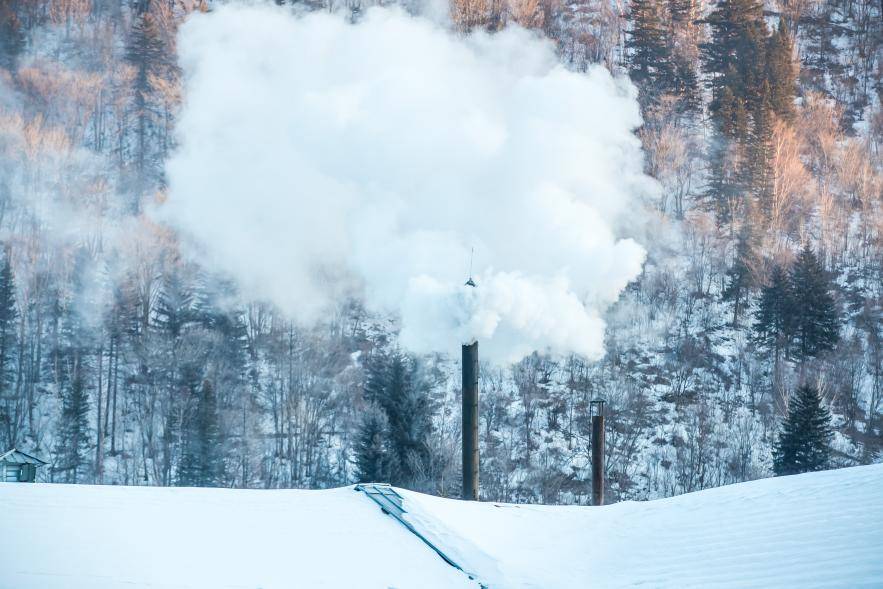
(733, 56)
(372, 449)
(375, 377)
(781, 72)
(174, 307)
(820, 61)
(8, 317)
(210, 434)
(173, 316)
(740, 277)
(201, 453)
(190, 465)
(684, 82)
(649, 47)
(147, 53)
(805, 437)
(815, 318)
(725, 191)
(12, 36)
(10, 405)
(71, 351)
(753, 82)
(773, 320)
(394, 383)
(210, 429)
(758, 170)
(681, 11)
(72, 436)
(209, 311)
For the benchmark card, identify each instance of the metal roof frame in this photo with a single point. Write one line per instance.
(393, 504)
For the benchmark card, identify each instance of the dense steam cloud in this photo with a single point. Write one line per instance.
(319, 158)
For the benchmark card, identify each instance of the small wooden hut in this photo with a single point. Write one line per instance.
(18, 467)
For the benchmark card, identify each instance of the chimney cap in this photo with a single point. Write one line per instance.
(596, 406)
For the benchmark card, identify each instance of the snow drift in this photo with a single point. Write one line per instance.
(320, 159)
(816, 530)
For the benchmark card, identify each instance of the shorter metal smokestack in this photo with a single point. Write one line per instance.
(470, 421)
(597, 412)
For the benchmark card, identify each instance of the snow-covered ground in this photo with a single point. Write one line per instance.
(817, 530)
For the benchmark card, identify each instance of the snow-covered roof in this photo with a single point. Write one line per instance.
(18, 457)
(822, 529)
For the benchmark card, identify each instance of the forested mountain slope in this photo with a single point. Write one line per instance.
(122, 360)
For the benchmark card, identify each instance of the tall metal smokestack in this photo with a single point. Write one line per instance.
(470, 421)
(597, 411)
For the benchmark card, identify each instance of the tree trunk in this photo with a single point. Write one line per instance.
(99, 444)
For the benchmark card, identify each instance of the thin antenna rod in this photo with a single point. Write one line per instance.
(471, 282)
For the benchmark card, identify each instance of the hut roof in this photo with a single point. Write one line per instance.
(18, 457)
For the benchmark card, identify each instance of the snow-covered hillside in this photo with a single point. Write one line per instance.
(817, 530)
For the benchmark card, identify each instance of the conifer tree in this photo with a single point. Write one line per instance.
(781, 72)
(71, 351)
(8, 317)
(201, 453)
(734, 55)
(681, 10)
(649, 47)
(752, 79)
(804, 440)
(174, 307)
(821, 59)
(147, 53)
(11, 410)
(740, 277)
(773, 321)
(12, 36)
(394, 383)
(685, 84)
(758, 169)
(814, 316)
(72, 436)
(208, 310)
(685, 78)
(372, 449)
(724, 193)
(173, 315)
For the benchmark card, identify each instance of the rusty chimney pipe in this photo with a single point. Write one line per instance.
(470, 421)
(597, 412)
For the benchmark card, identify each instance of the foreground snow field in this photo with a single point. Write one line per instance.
(816, 530)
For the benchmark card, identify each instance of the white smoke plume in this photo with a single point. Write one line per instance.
(319, 158)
